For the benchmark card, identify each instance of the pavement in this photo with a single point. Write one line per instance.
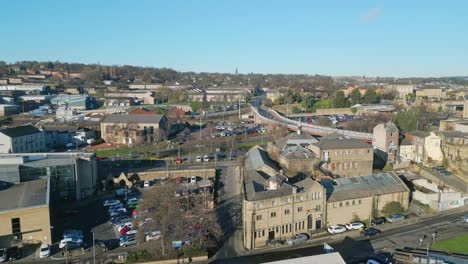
(352, 245)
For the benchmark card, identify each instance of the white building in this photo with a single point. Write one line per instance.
(22, 139)
(437, 197)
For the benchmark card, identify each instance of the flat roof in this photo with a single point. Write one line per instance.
(363, 186)
(25, 195)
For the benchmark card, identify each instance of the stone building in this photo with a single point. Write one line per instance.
(22, 139)
(274, 208)
(345, 157)
(406, 150)
(385, 141)
(292, 151)
(363, 197)
(133, 129)
(427, 146)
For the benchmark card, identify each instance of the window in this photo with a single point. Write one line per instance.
(359, 201)
(341, 204)
(354, 202)
(15, 226)
(347, 203)
(334, 205)
(263, 232)
(273, 214)
(286, 212)
(259, 217)
(317, 207)
(295, 226)
(299, 209)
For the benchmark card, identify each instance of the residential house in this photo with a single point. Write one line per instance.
(431, 93)
(342, 156)
(455, 148)
(385, 141)
(427, 146)
(407, 150)
(363, 197)
(22, 139)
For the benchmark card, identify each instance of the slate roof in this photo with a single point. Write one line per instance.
(390, 126)
(406, 142)
(142, 119)
(363, 186)
(20, 131)
(420, 134)
(24, 195)
(256, 158)
(294, 138)
(336, 141)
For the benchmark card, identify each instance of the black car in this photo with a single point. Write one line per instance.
(377, 221)
(371, 232)
(107, 244)
(14, 253)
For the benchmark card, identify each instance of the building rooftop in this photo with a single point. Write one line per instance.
(363, 186)
(405, 142)
(20, 131)
(142, 119)
(302, 139)
(390, 126)
(337, 141)
(256, 158)
(330, 258)
(420, 134)
(24, 195)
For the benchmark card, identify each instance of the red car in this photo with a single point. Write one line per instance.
(124, 230)
(178, 180)
(178, 161)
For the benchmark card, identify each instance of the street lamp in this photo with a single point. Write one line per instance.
(94, 249)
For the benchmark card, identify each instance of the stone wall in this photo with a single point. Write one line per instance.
(172, 174)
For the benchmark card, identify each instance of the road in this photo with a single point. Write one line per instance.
(352, 246)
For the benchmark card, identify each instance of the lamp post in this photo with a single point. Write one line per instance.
(94, 249)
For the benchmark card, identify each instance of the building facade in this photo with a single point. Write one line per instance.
(22, 139)
(133, 129)
(345, 157)
(385, 141)
(275, 209)
(363, 197)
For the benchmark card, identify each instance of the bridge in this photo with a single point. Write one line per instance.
(272, 117)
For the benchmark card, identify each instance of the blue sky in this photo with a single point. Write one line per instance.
(348, 37)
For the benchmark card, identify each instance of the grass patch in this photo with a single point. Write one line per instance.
(455, 245)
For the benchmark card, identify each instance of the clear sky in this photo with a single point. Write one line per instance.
(348, 37)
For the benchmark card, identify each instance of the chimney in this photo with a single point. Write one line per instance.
(272, 184)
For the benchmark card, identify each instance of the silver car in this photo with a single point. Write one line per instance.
(299, 238)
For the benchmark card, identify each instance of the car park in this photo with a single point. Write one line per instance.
(354, 226)
(299, 238)
(14, 253)
(335, 229)
(44, 251)
(395, 218)
(370, 232)
(377, 221)
(153, 235)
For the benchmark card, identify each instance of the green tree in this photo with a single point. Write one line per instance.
(355, 96)
(324, 104)
(340, 100)
(296, 110)
(370, 97)
(50, 65)
(407, 121)
(392, 208)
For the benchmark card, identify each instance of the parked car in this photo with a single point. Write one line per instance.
(71, 233)
(377, 221)
(142, 223)
(299, 238)
(14, 253)
(111, 203)
(126, 224)
(124, 230)
(3, 254)
(107, 244)
(395, 218)
(335, 229)
(465, 219)
(206, 158)
(199, 159)
(445, 173)
(153, 235)
(146, 184)
(44, 251)
(128, 242)
(66, 242)
(193, 179)
(354, 226)
(370, 232)
(438, 168)
(178, 161)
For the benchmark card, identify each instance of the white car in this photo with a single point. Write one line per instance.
(206, 158)
(128, 224)
(465, 219)
(64, 241)
(153, 235)
(146, 184)
(133, 200)
(199, 159)
(111, 203)
(355, 226)
(299, 238)
(118, 212)
(142, 223)
(132, 232)
(193, 179)
(335, 229)
(44, 251)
